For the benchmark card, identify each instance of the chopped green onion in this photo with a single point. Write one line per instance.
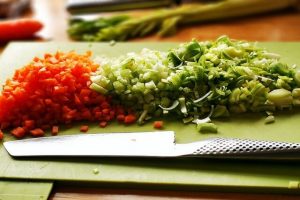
(203, 97)
(235, 76)
(207, 128)
(269, 119)
(280, 97)
(173, 106)
(98, 88)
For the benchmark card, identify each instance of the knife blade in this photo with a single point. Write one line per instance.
(105, 144)
(151, 144)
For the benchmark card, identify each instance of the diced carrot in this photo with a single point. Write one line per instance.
(97, 115)
(103, 124)
(54, 130)
(18, 132)
(105, 111)
(129, 119)
(38, 132)
(105, 105)
(1, 135)
(85, 92)
(158, 124)
(36, 59)
(84, 128)
(77, 100)
(120, 117)
(29, 124)
(86, 114)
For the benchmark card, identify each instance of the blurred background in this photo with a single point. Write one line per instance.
(152, 20)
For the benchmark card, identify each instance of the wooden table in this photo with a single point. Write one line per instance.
(276, 26)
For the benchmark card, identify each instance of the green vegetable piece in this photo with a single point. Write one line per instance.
(296, 93)
(173, 106)
(174, 59)
(280, 97)
(296, 96)
(169, 26)
(213, 58)
(193, 51)
(119, 87)
(80, 29)
(270, 119)
(245, 71)
(187, 119)
(233, 52)
(148, 29)
(142, 117)
(220, 111)
(204, 97)
(138, 87)
(280, 68)
(235, 96)
(100, 80)
(258, 90)
(98, 88)
(207, 128)
(165, 102)
(224, 39)
(183, 105)
(239, 108)
(297, 77)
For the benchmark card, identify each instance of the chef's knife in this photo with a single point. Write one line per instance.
(96, 6)
(151, 144)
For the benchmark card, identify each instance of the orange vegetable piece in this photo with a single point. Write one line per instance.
(84, 128)
(103, 124)
(19, 29)
(38, 132)
(129, 119)
(158, 124)
(54, 130)
(18, 132)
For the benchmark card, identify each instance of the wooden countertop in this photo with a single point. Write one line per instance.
(276, 26)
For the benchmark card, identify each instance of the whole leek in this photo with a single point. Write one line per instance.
(165, 22)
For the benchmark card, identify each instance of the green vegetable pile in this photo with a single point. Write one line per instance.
(200, 80)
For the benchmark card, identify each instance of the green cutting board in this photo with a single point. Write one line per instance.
(24, 190)
(179, 173)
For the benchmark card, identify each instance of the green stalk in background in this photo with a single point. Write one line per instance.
(165, 22)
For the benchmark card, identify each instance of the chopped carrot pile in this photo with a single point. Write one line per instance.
(50, 91)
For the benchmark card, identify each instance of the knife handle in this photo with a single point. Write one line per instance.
(245, 149)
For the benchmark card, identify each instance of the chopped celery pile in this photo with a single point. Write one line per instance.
(199, 80)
